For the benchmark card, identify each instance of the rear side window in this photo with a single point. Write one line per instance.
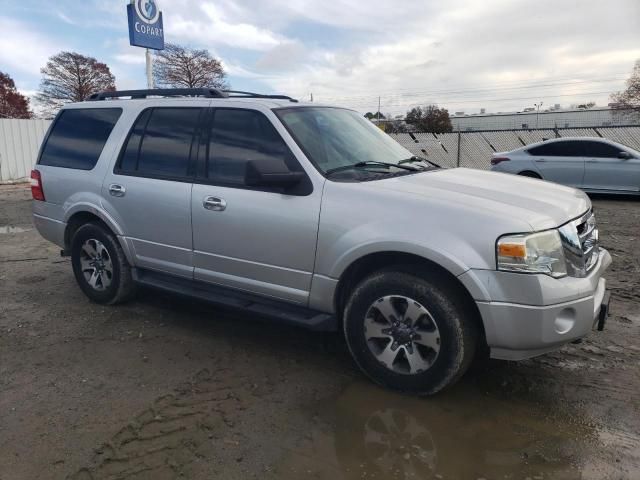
(558, 149)
(238, 136)
(78, 136)
(161, 142)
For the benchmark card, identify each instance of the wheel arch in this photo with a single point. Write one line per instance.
(83, 214)
(400, 261)
(530, 173)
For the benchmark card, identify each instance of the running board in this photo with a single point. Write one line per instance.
(275, 309)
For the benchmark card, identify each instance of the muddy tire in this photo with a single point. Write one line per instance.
(410, 333)
(100, 266)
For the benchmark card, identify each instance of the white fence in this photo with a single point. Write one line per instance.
(19, 144)
(20, 141)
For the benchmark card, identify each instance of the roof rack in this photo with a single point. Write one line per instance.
(183, 92)
(160, 92)
(241, 94)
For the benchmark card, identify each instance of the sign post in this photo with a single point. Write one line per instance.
(146, 30)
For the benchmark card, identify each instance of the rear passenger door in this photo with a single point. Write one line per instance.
(605, 170)
(149, 190)
(560, 162)
(258, 240)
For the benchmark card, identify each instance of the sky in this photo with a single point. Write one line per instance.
(463, 55)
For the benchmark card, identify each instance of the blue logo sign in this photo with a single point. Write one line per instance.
(145, 24)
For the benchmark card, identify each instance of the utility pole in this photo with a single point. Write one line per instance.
(311, 97)
(537, 105)
(378, 114)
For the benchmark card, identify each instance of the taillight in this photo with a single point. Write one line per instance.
(36, 186)
(497, 160)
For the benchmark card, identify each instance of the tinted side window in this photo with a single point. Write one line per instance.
(238, 136)
(601, 150)
(160, 142)
(558, 149)
(129, 158)
(78, 136)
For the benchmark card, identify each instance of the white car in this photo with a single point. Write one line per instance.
(595, 165)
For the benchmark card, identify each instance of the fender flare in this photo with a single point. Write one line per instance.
(86, 207)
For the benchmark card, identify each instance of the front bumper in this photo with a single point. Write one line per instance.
(543, 314)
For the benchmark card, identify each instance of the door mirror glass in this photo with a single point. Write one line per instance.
(270, 173)
(625, 155)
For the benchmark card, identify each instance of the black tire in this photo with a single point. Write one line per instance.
(455, 325)
(120, 283)
(530, 175)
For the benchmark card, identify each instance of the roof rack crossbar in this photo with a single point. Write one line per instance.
(240, 93)
(160, 92)
(184, 92)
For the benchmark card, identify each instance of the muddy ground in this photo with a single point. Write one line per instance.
(165, 387)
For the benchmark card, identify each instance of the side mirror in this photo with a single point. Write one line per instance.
(625, 155)
(271, 173)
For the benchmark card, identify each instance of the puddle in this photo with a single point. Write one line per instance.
(370, 433)
(8, 229)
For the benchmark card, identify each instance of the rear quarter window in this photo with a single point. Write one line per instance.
(78, 136)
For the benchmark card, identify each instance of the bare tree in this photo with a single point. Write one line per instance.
(12, 103)
(71, 77)
(630, 97)
(181, 67)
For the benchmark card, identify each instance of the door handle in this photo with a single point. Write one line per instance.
(592, 161)
(540, 160)
(214, 203)
(116, 190)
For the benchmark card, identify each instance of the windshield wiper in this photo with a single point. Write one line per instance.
(419, 159)
(370, 163)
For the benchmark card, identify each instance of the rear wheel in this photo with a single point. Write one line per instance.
(409, 333)
(100, 266)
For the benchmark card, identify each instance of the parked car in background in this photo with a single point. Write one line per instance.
(311, 215)
(595, 165)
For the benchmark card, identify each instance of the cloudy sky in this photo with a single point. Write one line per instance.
(502, 55)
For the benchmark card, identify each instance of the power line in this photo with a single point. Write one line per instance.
(491, 100)
(474, 91)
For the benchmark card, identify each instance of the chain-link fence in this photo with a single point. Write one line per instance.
(474, 149)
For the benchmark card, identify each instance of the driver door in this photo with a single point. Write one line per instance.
(259, 240)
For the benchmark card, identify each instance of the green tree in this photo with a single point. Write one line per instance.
(374, 116)
(430, 119)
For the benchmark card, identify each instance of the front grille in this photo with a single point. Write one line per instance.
(581, 245)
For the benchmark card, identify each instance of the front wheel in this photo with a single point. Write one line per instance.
(100, 266)
(410, 333)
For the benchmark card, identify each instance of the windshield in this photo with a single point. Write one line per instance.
(335, 137)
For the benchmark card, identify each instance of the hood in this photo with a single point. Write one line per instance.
(541, 204)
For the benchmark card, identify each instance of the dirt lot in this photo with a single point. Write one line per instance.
(165, 388)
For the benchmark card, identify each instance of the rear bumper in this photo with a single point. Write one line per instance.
(516, 331)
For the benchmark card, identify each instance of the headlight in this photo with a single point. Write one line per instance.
(532, 253)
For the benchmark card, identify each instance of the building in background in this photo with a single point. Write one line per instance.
(529, 118)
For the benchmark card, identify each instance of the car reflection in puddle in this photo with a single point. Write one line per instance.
(372, 433)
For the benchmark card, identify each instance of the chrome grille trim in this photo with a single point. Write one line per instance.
(581, 245)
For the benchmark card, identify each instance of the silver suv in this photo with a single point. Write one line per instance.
(311, 215)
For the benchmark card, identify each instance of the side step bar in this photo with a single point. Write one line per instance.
(275, 309)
